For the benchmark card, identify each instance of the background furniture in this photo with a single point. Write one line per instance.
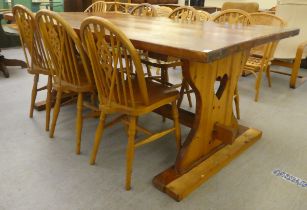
(290, 52)
(8, 38)
(245, 6)
(76, 5)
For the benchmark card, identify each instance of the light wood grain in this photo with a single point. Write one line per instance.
(203, 42)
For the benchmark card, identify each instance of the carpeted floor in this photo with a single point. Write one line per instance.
(40, 173)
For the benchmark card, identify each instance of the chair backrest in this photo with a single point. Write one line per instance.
(294, 12)
(144, 9)
(233, 17)
(30, 38)
(184, 13)
(119, 7)
(116, 64)
(203, 15)
(261, 18)
(98, 6)
(245, 6)
(163, 11)
(64, 46)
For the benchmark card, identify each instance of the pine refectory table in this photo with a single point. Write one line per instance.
(212, 55)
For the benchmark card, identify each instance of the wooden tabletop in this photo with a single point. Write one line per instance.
(202, 42)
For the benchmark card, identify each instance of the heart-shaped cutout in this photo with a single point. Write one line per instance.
(220, 85)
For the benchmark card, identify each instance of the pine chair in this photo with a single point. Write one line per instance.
(36, 57)
(98, 6)
(119, 7)
(121, 85)
(71, 65)
(203, 15)
(184, 14)
(163, 11)
(260, 59)
(290, 52)
(144, 9)
(234, 17)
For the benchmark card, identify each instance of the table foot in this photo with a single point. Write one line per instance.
(66, 98)
(179, 186)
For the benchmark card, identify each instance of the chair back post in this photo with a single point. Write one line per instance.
(64, 47)
(30, 38)
(184, 13)
(144, 9)
(114, 61)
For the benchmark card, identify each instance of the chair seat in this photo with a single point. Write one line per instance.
(253, 63)
(83, 86)
(158, 95)
(155, 59)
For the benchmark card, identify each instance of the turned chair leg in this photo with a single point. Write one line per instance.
(258, 83)
(268, 75)
(187, 89)
(130, 151)
(34, 93)
(176, 125)
(237, 102)
(98, 135)
(79, 122)
(56, 111)
(148, 70)
(184, 88)
(48, 102)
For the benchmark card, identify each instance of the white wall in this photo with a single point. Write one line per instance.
(264, 4)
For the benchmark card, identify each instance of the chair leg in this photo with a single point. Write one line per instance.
(268, 75)
(48, 102)
(98, 135)
(296, 66)
(158, 71)
(237, 102)
(258, 83)
(79, 122)
(130, 151)
(164, 76)
(176, 125)
(93, 98)
(181, 93)
(187, 89)
(148, 71)
(34, 93)
(56, 111)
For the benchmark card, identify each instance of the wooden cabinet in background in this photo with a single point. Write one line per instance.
(76, 5)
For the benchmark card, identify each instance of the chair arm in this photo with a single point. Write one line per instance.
(297, 63)
(301, 49)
